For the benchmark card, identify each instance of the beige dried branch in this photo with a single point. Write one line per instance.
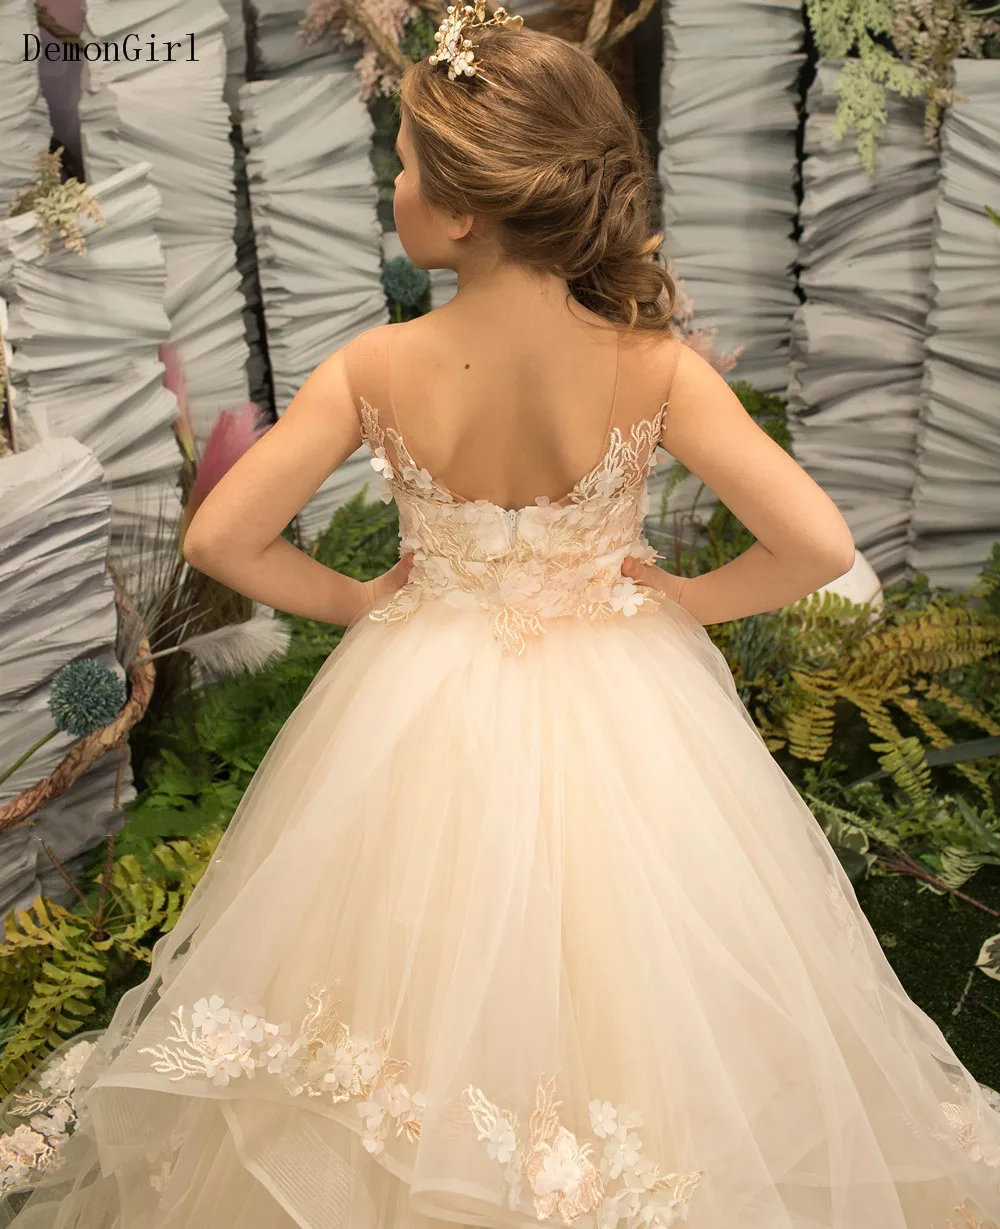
(627, 24)
(597, 26)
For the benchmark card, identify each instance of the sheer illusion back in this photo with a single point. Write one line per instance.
(528, 562)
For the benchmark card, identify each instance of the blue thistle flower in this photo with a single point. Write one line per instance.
(404, 282)
(86, 696)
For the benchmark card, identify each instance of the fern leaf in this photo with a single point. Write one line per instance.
(962, 708)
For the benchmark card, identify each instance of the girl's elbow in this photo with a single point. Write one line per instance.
(197, 552)
(841, 558)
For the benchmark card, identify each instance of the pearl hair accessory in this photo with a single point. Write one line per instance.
(454, 49)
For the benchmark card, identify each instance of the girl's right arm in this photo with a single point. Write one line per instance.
(803, 541)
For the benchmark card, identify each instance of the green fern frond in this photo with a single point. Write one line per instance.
(54, 961)
(955, 867)
(939, 739)
(905, 760)
(960, 707)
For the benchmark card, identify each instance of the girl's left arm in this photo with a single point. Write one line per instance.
(235, 536)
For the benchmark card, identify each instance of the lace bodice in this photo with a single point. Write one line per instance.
(523, 566)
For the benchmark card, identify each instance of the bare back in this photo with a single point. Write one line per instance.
(506, 421)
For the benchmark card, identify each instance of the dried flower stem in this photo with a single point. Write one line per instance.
(628, 24)
(382, 42)
(48, 23)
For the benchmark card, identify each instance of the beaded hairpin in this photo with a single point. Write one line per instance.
(454, 49)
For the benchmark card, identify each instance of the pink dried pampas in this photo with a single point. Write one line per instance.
(234, 433)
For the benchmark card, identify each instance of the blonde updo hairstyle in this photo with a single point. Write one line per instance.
(548, 152)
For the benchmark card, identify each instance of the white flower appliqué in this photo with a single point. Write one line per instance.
(34, 1146)
(565, 1181)
(325, 1059)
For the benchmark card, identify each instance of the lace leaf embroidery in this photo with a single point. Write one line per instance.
(523, 565)
(564, 1179)
(325, 1059)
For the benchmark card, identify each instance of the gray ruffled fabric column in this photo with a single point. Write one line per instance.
(956, 506)
(314, 204)
(58, 605)
(727, 169)
(175, 116)
(84, 332)
(24, 116)
(858, 342)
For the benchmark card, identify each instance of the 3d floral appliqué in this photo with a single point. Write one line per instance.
(224, 1042)
(565, 1180)
(528, 565)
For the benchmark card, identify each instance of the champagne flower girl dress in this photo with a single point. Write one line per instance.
(520, 923)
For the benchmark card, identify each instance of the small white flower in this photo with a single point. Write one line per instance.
(608, 1214)
(381, 464)
(334, 1065)
(209, 1014)
(561, 1171)
(626, 598)
(501, 1142)
(620, 1153)
(641, 1176)
(12, 1173)
(367, 1059)
(420, 478)
(55, 1122)
(24, 1142)
(609, 481)
(630, 1205)
(628, 1120)
(62, 1076)
(373, 1112)
(397, 1099)
(521, 581)
(375, 1123)
(250, 1027)
(603, 1118)
(278, 1056)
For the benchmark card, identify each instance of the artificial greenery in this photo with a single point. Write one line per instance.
(903, 47)
(407, 288)
(86, 695)
(59, 205)
(418, 37)
(55, 961)
(900, 677)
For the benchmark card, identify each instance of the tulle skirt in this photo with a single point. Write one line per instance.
(499, 941)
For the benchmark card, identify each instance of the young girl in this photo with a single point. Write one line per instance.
(519, 921)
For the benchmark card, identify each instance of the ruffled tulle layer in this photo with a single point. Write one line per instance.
(497, 941)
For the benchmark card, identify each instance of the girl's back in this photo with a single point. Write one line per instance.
(515, 411)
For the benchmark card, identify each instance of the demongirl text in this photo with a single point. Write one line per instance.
(131, 49)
